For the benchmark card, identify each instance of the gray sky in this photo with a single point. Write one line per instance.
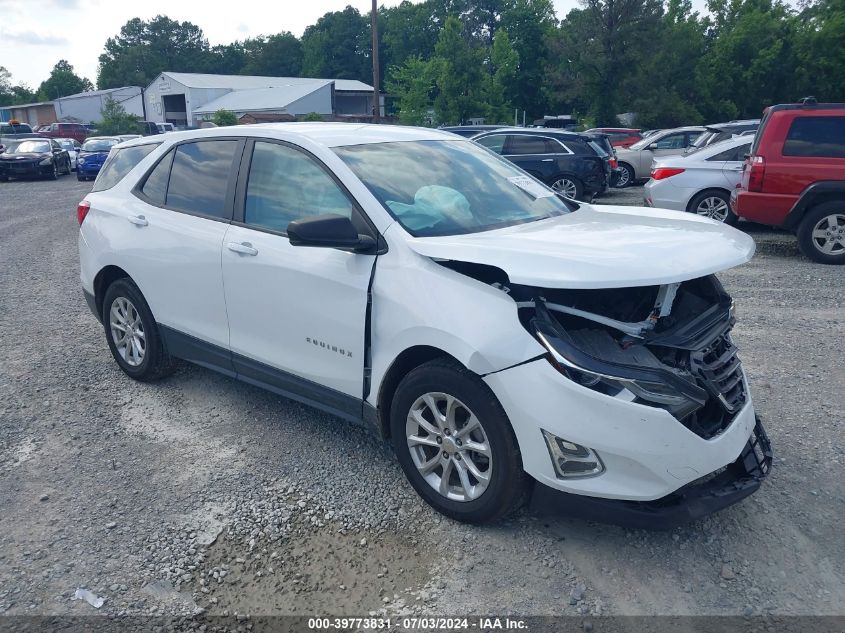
(35, 34)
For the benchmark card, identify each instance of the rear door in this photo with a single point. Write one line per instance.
(296, 314)
(171, 234)
(540, 156)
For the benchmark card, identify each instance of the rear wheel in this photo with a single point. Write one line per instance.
(821, 234)
(132, 333)
(713, 204)
(626, 176)
(569, 186)
(455, 443)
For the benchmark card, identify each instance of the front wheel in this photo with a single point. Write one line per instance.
(455, 443)
(132, 333)
(821, 234)
(54, 175)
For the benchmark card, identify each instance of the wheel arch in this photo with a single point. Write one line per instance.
(723, 190)
(814, 195)
(105, 278)
(408, 360)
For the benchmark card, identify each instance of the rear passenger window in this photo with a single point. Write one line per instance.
(119, 163)
(521, 145)
(733, 154)
(286, 184)
(155, 187)
(496, 142)
(200, 176)
(816, 136)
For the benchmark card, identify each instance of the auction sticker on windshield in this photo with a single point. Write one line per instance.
(531, 186)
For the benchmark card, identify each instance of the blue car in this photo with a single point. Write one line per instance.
(93, 154)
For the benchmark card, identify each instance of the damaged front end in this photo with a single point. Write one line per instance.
(663, 346)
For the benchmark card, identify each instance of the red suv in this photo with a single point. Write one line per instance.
(75, 131)
(794, 177)
(620, 136)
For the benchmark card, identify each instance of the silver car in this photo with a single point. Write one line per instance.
(635, 161)
(72, 146)
(701, 182)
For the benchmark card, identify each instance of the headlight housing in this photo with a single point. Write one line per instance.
(46, 161)
(652, 384)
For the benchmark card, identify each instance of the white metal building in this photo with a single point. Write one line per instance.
(85, 107)
(187, 98)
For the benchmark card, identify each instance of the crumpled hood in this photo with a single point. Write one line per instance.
(600, 247)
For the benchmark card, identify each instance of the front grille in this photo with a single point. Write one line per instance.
(720, 371)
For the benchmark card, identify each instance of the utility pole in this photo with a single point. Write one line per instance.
(376, 78)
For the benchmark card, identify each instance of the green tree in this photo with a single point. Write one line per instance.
(407, 30)
(457, 76)
(116, 120)
(411, 84)
(820, 49)
(144, 49)
(751, 62)
(530, 25)
(223, 118)
(63, 81)
(278, 55)
(504, 66)
(338, 46)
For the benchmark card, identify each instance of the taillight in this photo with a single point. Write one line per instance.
(756, 170)
(665, 172)
(82, 211)
(613, 163)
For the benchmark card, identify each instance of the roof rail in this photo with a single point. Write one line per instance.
(809, 101)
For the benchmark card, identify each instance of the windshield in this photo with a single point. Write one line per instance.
(450, 187)
(35, 147)
(99, 145)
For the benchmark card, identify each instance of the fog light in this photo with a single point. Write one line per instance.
(571, 459)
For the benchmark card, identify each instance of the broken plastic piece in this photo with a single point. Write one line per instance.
(91, 598)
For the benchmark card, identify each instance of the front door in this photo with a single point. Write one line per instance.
(296, 314)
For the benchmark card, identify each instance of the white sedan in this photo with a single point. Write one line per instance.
(701, 182)
(72, 146)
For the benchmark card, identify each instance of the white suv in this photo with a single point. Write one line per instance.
(508, 341)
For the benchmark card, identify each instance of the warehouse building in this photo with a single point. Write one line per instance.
(83, 107)
(188, 98)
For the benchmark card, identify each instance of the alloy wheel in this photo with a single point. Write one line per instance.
(624, 178)
(829, 234)
(127, 331)
(713, 207)
(449, 447)
(566, 187)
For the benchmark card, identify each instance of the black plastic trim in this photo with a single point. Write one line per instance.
(296, 388)
(700, 498)
(92, 304)
(197, 351)
(808, 198)
(285, 384)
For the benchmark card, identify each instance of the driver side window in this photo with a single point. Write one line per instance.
(286, 184)
(672, 141)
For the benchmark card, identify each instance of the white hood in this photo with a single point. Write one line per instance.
(600, 247)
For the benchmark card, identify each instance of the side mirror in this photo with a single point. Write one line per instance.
(652, 147)
(329, 231)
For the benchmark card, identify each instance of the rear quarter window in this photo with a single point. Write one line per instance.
(822, 136)
(119, 163)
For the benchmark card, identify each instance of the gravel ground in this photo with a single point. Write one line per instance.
(201, 493)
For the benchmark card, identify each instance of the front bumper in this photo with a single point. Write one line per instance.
(709, 494)
(25, 169)
(88, 169)
(647, 453)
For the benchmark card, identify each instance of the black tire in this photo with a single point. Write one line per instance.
(79, 176)
(156, 362)
(508, 484)
(627, 177)
(579, 186)
(67, 167)
(730, 219)
(54, 175)
(810, 246)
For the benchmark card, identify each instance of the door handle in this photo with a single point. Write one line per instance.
(138, 220)
(548, 160)
(244, 248)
